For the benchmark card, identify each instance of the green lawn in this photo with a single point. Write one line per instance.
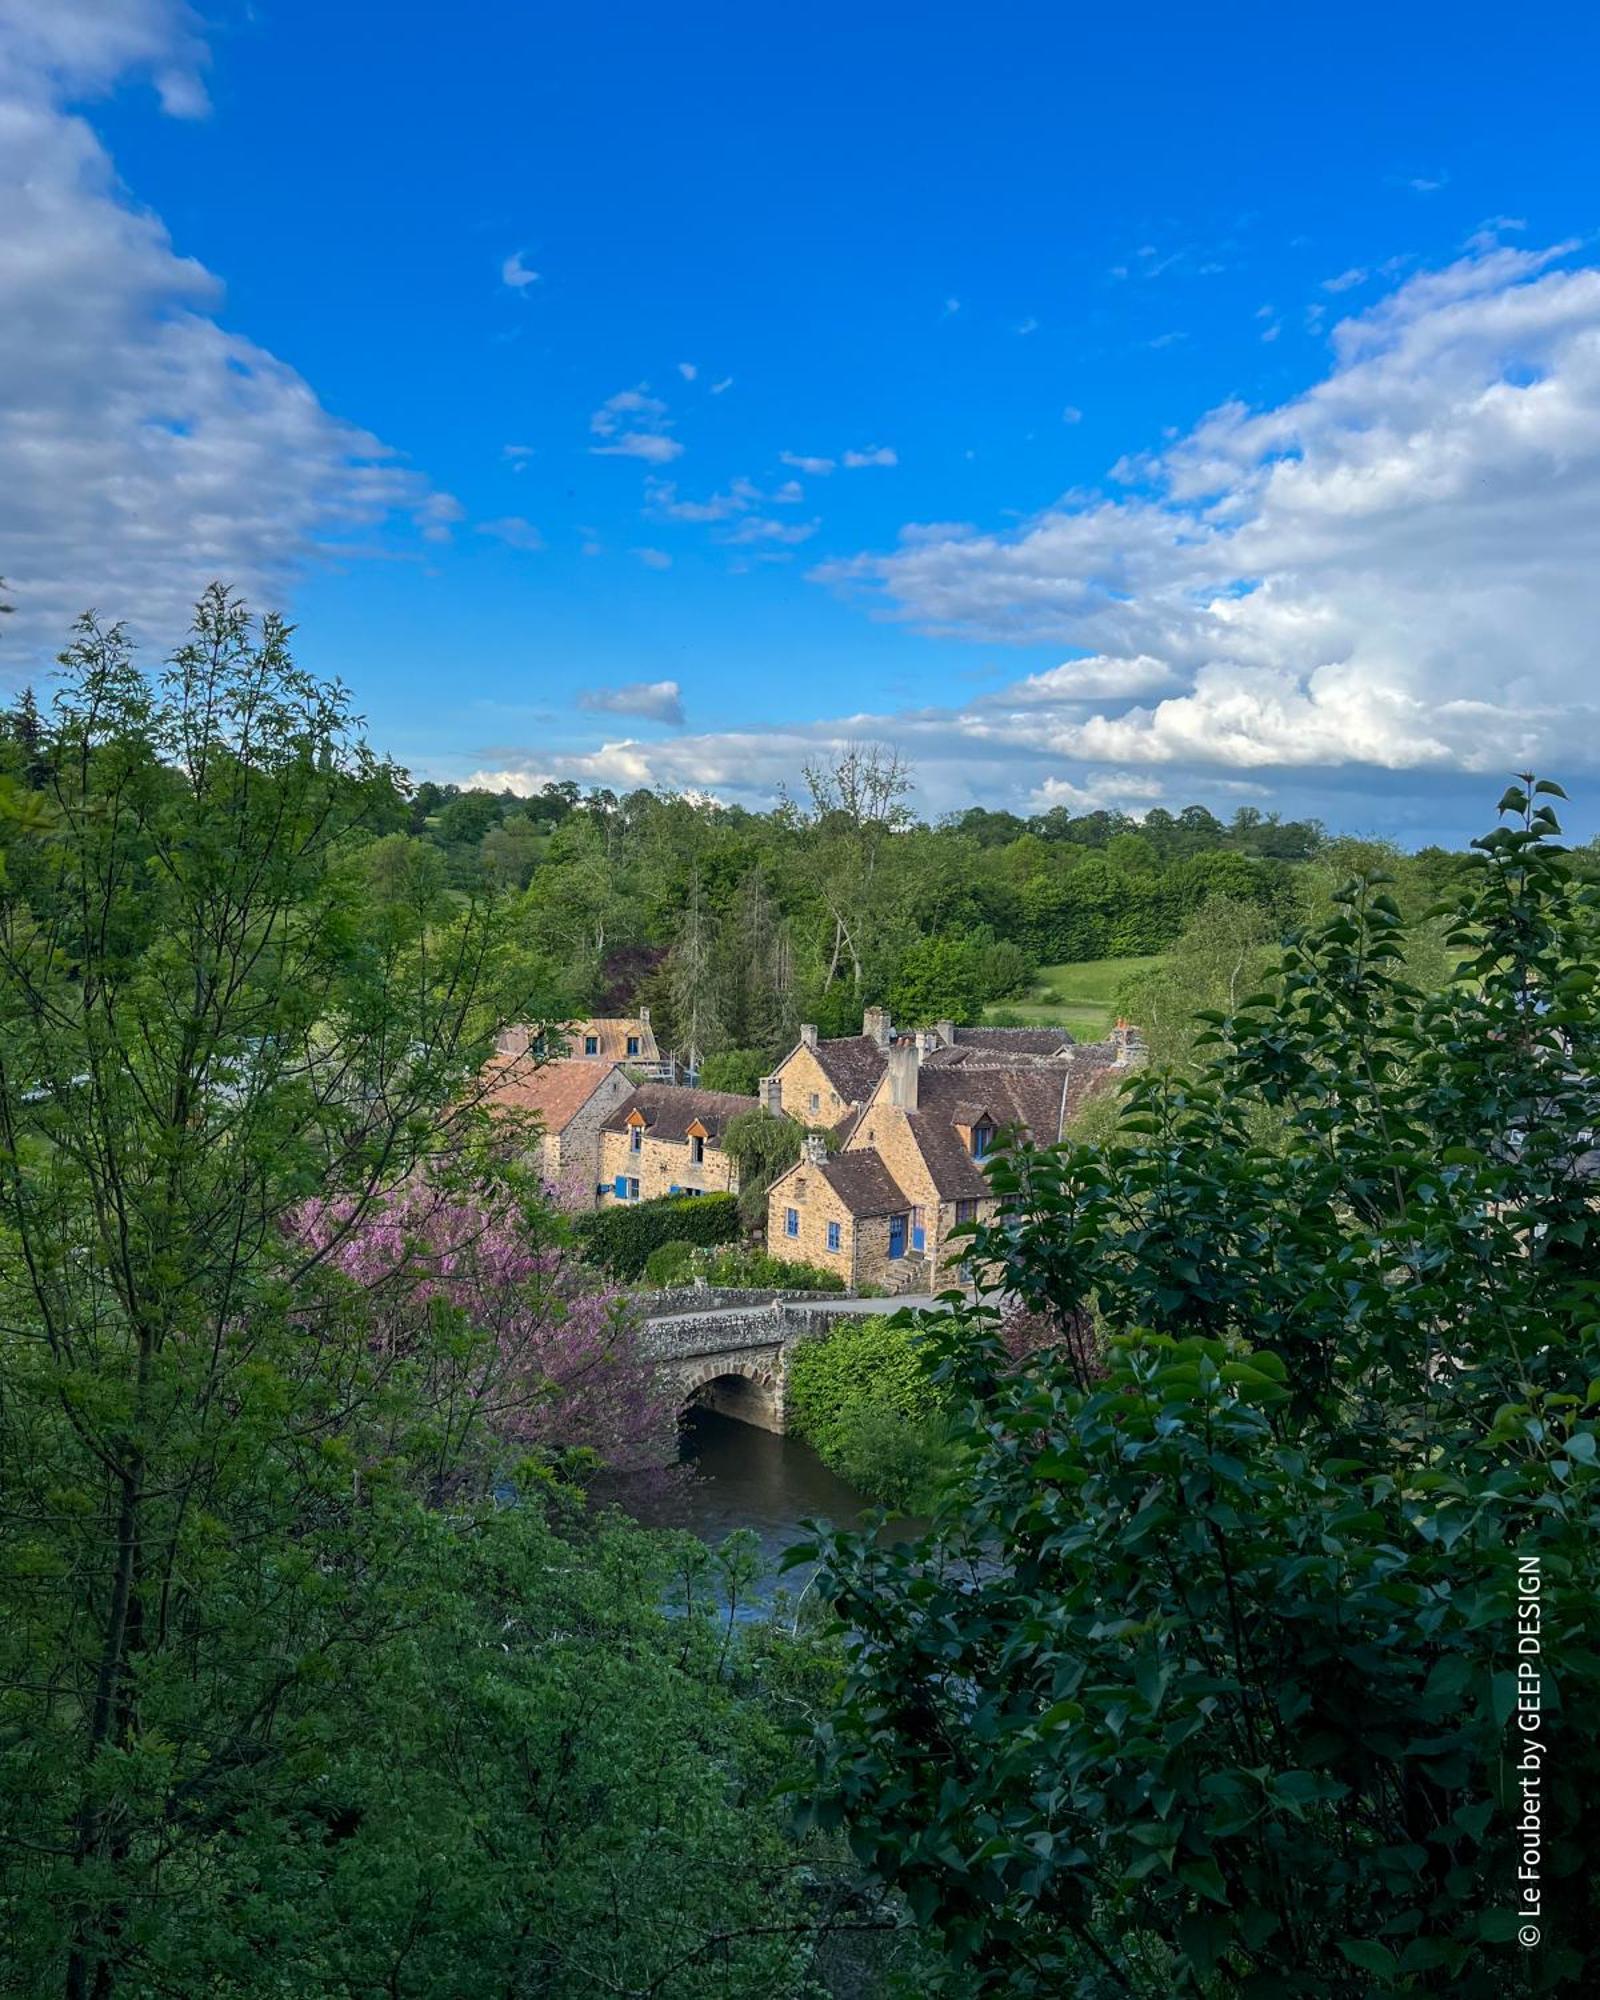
(1080, 998)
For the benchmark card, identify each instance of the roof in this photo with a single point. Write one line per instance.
(670, 1109)
(613, 1033)
(852, 1064)
(1014, 1041)
(555, 1091)
(862, 1182)
(1028, 1095)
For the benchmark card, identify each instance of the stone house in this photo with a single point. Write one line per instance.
(819, 1083)
(568, 1103)
(910, 1169)
(622, 1038)
(667, 1139)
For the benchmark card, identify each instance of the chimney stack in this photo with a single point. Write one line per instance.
(875, 1026)
(816, 1149)
(808, 1034)
(512, 1041)
(644, 1017)
(772, 1095)
(946, 1031)
(1129, 1044)
(905, 1059)
(927, 1041)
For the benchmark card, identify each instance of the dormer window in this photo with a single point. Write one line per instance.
(591, 1045)
(697, 1152)
(633, 1045)
(635, 1138)
(982, 1138)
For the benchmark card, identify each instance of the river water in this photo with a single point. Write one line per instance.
(736, 1476)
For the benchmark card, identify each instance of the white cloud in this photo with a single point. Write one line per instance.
(516, 455)
(1394, 570)
(951, 308)
(719, 388)
(1072, 414)
(1029, 325)
(634, 424)
(659, 701)
(147, 449)
(515, 272)
(515, 532)
(873, 454)
(654, 558)
(756, 529)
(815, 468)
(688, 370)
(1346, 280)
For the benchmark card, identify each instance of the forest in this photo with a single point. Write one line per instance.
(328, 1668)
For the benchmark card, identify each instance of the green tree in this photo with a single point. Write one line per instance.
(1206, 1680)
(941, 979)
(762, 1144)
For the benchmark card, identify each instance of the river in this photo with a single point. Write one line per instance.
(741, 1477)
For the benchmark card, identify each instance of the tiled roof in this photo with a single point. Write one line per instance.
(863, 1183)
(852, 1064)
(1014, 1041)
(670, 1109)
(555, 1091)
(1026, 1096)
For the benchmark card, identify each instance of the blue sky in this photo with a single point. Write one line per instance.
(1103, 406)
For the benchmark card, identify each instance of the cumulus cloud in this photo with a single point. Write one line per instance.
(514, 531)
(634, 424)
(1394, 570)
(816, 468)
(659, 701)
(688, 370)
(873, 454)
(515, 272)
(147, 449)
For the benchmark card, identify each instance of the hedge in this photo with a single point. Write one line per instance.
(621, 1238)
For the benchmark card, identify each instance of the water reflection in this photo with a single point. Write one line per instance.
(741, 1477)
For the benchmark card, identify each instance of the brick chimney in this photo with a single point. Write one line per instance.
(644, 1017)
(905, 1059)
(946, 1032)
(512, 1041)
(927, 1041)
(816, 1150)
(808, 1034)
(772, 1095)
(876, 1027)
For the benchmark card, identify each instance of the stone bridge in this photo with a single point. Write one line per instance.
(734, 1357)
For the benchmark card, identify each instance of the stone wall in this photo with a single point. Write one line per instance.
(660, 1165)
(801, 1078)
(571, 1162)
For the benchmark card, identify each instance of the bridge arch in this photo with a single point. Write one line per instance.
(745, 1388)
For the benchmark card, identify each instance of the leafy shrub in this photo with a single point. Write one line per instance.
(738, 1070)
(620, 1239)
(1206, 1682)
(670, 1264)
(864, 1397)
(757, 1269)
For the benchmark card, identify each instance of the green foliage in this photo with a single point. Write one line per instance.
(737, 1266)
(620, 1239)
(762, 1144)
(941, 978)
(1205, 1681)
(864, 1397)
(738, 1070)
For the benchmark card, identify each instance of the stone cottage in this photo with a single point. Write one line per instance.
(567, 1102)
(667, 1139)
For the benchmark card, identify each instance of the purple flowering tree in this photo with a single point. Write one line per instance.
(563, 1367)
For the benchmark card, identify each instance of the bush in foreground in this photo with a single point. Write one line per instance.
(1209, 1678)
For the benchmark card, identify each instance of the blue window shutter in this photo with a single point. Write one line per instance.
(619, 1187)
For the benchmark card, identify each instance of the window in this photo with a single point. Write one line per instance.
(791, 1222)
(633, 1045)
(690, 1190)
(635, 1138)
(633, 1190)
(982, 1140)
(816, 1101)
(697, 1152)
(966, 1211)
(591, 1045)
(833, 1235)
